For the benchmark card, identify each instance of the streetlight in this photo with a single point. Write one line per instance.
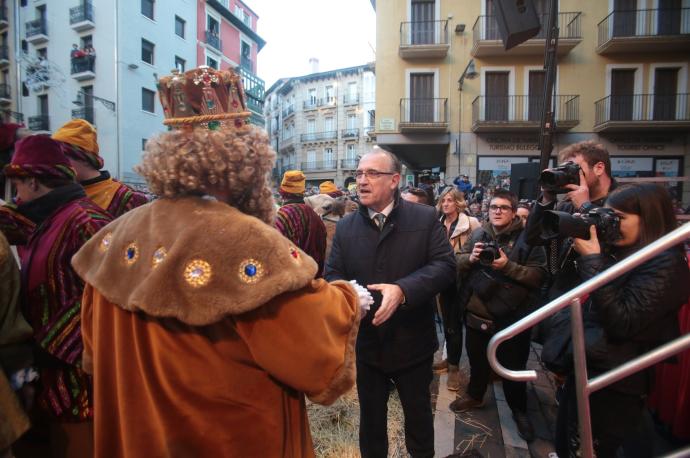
(469, 73)
(105, 102)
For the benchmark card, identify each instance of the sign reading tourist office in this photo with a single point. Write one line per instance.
(631, 155)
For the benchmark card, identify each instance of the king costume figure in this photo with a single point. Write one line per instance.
(203, 326)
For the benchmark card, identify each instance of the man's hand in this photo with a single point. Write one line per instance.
(579, 194)
(591, 246)
(501, 262)
(474, 256)
(392, 298)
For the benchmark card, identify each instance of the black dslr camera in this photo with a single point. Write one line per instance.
(554, 180)
(605, 220)
(489, 253)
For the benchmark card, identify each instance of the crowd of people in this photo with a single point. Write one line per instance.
(198, 323)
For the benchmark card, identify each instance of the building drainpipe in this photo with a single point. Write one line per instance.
(17, 47)
(118, 105)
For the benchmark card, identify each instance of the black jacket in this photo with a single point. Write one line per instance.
(411, 251)
(637, 311)
(525, 267)
(560, 256)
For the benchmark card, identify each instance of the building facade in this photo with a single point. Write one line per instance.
(449, 96)
(227, 38)
(9, 90)
(100, 60)
(321, 123)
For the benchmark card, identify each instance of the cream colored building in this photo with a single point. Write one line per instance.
(622, 80)
(320, 123)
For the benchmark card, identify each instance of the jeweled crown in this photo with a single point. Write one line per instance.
(203, 97)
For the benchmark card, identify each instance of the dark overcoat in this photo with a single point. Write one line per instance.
(411, 251)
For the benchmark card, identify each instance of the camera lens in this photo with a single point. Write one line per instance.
(487, 256)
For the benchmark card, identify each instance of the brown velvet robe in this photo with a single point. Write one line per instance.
(213, 370)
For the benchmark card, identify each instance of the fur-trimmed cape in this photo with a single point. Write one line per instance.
(209, 358)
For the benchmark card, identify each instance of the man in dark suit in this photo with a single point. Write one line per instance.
(400, 251)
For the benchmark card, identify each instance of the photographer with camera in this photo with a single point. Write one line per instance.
(497, 274)
(584, 176)
(623, 319)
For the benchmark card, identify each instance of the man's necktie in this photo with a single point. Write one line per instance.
(379, 219)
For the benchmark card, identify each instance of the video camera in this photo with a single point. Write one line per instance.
(605, 220)
(554, 180)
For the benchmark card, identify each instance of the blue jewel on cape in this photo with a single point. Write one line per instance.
(250, 270)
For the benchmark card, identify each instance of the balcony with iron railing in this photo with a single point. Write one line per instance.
(287, 142)
(5, 94)
(288, 112)
(424, 40)
(522, 112)
(40, 122)
(81, 17)
(319, 165)
(83, 113)
(212, 39)
(310, 104)
(348, 164)
(4, 55)
(349, 133)
(350, 99)
(36, 31)
(661, 112)
(487, 38)
(424, 115)
(329, 101)
(319, 136)
(254, 89)
(83, 67)
(652, 30)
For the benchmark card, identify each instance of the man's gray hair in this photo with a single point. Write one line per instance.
(396, 165)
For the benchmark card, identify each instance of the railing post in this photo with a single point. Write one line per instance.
(581, 388)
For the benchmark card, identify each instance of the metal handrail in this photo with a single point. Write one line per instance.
(585, 387)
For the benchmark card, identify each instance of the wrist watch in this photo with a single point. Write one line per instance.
(586, 207)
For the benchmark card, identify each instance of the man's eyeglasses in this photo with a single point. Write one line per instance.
(503, 208)
(373, 174)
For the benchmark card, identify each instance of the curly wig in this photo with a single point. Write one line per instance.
(234, 162)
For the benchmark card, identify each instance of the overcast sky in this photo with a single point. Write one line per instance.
(340, 33)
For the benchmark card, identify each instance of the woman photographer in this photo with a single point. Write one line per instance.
(458, 225)
(627, 317)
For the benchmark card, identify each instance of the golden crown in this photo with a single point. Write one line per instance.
(203, 97)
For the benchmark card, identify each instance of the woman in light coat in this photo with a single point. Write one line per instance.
(458, 225)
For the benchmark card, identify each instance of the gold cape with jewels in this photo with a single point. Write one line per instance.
(203, 328)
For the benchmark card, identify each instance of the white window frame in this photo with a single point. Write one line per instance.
(437, 15)
(328, 155)
(329, 124)
(207, 57)
(408, 74)
(637, 107)
(350, 123)
(352, 90)
(351, 151)
(217, 18)
(525, 87)
(511, 88)
(681, 86)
